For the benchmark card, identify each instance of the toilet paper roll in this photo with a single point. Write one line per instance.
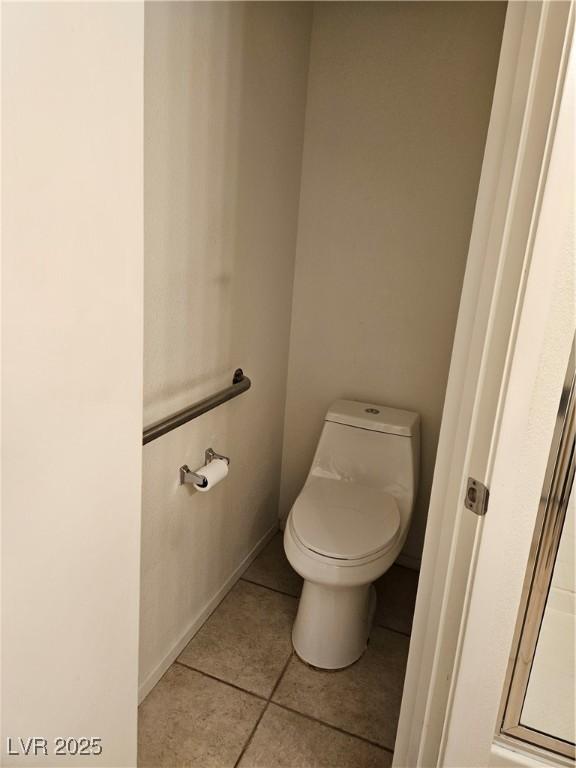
(214, 472)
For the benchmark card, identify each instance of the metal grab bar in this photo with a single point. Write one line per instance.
(240, 383)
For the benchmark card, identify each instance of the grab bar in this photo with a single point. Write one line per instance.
(240, 383)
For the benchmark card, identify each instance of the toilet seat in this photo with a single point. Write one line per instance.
(344, 520)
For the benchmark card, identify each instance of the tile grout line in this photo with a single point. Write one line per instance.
(296, 597)
(251, 735)
(332, 727)
(393, 629)
(220, 680)
(258, 721)
(272, 589)
(269, 701)
(281, 676)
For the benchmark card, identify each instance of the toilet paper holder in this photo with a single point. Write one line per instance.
(187, 476)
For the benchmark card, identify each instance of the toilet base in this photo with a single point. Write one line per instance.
(333, 624)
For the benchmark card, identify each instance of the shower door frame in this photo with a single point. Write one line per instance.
(556, 490)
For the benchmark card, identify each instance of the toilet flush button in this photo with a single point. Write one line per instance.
(371, 410)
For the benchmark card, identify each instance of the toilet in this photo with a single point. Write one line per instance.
(349, 524)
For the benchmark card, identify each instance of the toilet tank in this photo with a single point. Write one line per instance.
(372, 445)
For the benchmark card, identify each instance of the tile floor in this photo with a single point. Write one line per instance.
(238, 695)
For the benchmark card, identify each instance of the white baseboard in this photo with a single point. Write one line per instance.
(154, 676)
(409, 561)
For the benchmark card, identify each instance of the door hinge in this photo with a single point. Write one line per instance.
(476, 496)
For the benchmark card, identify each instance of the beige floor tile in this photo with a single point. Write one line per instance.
(191, 720)
(396, 592)
(247, 640)
(272, 569)
(363, 699)
(286, 740)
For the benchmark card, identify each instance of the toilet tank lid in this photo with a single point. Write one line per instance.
(377, 418)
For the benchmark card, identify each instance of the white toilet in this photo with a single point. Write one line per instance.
(348, 525)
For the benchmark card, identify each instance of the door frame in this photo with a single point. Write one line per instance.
(524, 112)
(538, 376)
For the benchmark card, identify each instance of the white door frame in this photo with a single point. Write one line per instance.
(525, 107)
(538, 372)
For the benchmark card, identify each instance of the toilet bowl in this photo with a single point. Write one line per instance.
(348, 526)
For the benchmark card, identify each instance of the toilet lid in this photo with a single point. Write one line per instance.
(344, 520)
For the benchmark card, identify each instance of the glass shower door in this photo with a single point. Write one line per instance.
(538, 703)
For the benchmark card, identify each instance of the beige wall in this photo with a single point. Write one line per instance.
(399, 99)
(72, 257)
(225, 90)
